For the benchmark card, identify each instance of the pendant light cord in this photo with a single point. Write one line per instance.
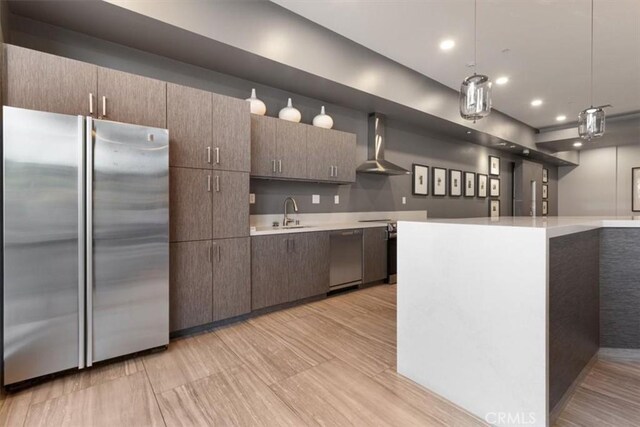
(591, 94)
(475, 36)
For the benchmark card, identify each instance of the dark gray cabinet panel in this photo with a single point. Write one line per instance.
(291, 149)
(231, 126)
(231, 278)
(320, 154)
(189, 123)
(374, 253)
(269, 277)
(230, 204)
(190, 208)
(190, 287)
(346, 157)
(308, 260)
(128, 98)
(263, 146)
(39, 81)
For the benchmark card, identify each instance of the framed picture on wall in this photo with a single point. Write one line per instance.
(482, 185)
(545, 175)
(439, 182)
(635, 189)
(494, 187)
(545, 207)
(455, 182)
(420, 185)
(545, 191)
(469, 184)
(494, 165)
(494, 208)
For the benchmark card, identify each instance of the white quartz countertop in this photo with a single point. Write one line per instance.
(554, 225)
(309, 228)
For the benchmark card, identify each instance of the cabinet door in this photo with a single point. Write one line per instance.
(189, 123)
(263, 145)
(231, 124)
(320, 154)
(346, 157)
(231, 278)
(308, 261)
(190, 209)
(128, 98)
(190, 285)
(230, 204)
(39, 81)
(374, 252)
(269, 271)
(291, 143)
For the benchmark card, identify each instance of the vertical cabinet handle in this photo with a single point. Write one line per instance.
(217, 155)
(331, 173)
(217, 184)
(90, 103)
(336, 169)
(104, 106)
(219, 253)
(280, 166)
(273, 165)
(208, 154)
(209, 183)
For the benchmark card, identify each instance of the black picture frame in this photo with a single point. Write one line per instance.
(455, 176)
(545, 175)
(494, 171)
(491, 192)
(437, 188)
(420, 171)
(469, 192)
(545, 207)
(482, 192)
(545, 191)
(492, 203)
(635, 189)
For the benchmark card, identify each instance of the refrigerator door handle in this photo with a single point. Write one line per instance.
(81, 240)
(89, 240)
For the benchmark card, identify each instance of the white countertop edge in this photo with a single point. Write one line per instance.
(264, 231)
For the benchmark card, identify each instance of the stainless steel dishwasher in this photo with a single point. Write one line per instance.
(346, 259)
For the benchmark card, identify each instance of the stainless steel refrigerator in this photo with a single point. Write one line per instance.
(85, 241)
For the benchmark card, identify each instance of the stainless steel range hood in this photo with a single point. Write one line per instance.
(376, 141)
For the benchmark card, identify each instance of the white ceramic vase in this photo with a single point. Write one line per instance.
(257, 106)
(322, 120)
(289, 113)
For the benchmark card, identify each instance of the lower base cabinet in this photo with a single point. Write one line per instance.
(374, 254)
(288, 267)
(209, 281)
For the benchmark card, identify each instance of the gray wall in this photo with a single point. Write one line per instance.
(406, 144)
(601, 185)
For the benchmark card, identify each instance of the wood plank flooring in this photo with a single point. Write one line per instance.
(331, 362)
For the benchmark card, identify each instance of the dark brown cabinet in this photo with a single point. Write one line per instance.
(231, 130)
(345, 150)
(39, 81)
(331, 155)
(291, 149)
(288, 267)
(190, 209)
(231, 278)
(190, 278)
(230, 204)
(374, 241)
(189, 122)
(129, 98)
(263, 146)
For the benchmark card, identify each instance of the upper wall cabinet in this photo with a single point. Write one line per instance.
(286, 150)
(39, 81)
(231, 138)
(129, 98)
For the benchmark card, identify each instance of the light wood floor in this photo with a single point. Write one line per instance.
(331, 362)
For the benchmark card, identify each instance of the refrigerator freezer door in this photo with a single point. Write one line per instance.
(130, 222)
(43, 228)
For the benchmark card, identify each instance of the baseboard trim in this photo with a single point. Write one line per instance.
(557, 410)
(607, 353)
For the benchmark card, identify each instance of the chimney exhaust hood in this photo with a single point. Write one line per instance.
(376, 142)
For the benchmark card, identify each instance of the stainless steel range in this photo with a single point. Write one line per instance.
(392, 248)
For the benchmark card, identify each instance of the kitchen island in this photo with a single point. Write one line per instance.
(501, 316)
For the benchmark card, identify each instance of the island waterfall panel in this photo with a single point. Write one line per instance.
(620, 288)
(573, 309)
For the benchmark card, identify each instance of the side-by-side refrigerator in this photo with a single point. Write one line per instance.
(85, 241)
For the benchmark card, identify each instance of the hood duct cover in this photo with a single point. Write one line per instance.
(376, 146)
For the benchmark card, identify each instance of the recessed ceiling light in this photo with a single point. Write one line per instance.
(447, 44)
(561, 118)
(577, 144)
(536, 102)
(468, 132)
(502, 80)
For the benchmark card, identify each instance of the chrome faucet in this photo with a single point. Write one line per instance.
(286, 220)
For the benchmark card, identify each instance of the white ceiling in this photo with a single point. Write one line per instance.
(541, 45)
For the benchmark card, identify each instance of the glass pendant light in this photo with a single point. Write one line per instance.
(475, 91)
(591, 120)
